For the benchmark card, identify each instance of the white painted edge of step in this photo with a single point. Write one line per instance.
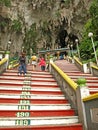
(38, 121)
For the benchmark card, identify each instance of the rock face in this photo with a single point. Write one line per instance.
(39, 24)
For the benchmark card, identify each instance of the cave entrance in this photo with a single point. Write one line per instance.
(61, 38)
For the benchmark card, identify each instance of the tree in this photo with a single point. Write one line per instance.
(86, 48)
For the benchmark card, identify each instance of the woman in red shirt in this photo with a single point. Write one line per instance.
(42, 63)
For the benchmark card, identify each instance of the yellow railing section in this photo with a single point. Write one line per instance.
(69, 81)
(73, 84)
(95, 67)
(78, 60)
(13, 64)
(3, 61)
(69, 57)
(91, 97)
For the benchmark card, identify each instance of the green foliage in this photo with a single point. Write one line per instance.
(86, 48)
(94, 9)
(67, 1)
(3, 24)
(57, 14)
(88, 26)
(17, 26)
(6, 3)
(94, 16)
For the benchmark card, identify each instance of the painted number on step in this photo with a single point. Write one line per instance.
(23, 114)
(23, 107)
(25, 102)
(26, 88)
(25, 96)
(22, 122)
(26, 93)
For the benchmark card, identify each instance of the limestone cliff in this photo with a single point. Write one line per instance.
(41, 24)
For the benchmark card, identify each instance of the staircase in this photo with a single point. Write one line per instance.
(74, 73)
(34, 102)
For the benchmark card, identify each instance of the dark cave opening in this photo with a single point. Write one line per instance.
(61, 36)
(63, 42)
(70, 41)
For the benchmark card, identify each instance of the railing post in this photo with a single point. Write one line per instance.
(90, 65)
(85, 68)
(7, 54)
(81, 92)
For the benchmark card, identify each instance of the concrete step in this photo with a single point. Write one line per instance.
(32, 96)
(36, 113)
(86, 77)
(29, 72)
(31, 92)
(28, 87)
(32, 74)
(93, 90)
(32, 101)
(37, 121)
(34, 83)
(78, 74)
(73, 126)
(14, 88)
(43, 107)
(23, 78)
(88, 81)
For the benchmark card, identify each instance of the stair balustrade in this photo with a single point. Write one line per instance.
(67, 85)
(87, 113)
(3, 65)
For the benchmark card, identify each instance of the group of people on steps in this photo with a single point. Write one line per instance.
(34, 61)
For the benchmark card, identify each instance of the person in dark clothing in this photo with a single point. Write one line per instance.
(22, 64)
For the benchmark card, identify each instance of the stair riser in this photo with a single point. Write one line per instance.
(87, 78)
(41, 76)
(21, 84)
(71, 127)
(92, 82)
(40, 84)
(37, 121)
(51, 86)
(93, 92)
(11, 84)
(15, 79)
(35, 76)
(31, 92)
(36, 113)
(92, 86)
(33, 101)
(34, 80)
